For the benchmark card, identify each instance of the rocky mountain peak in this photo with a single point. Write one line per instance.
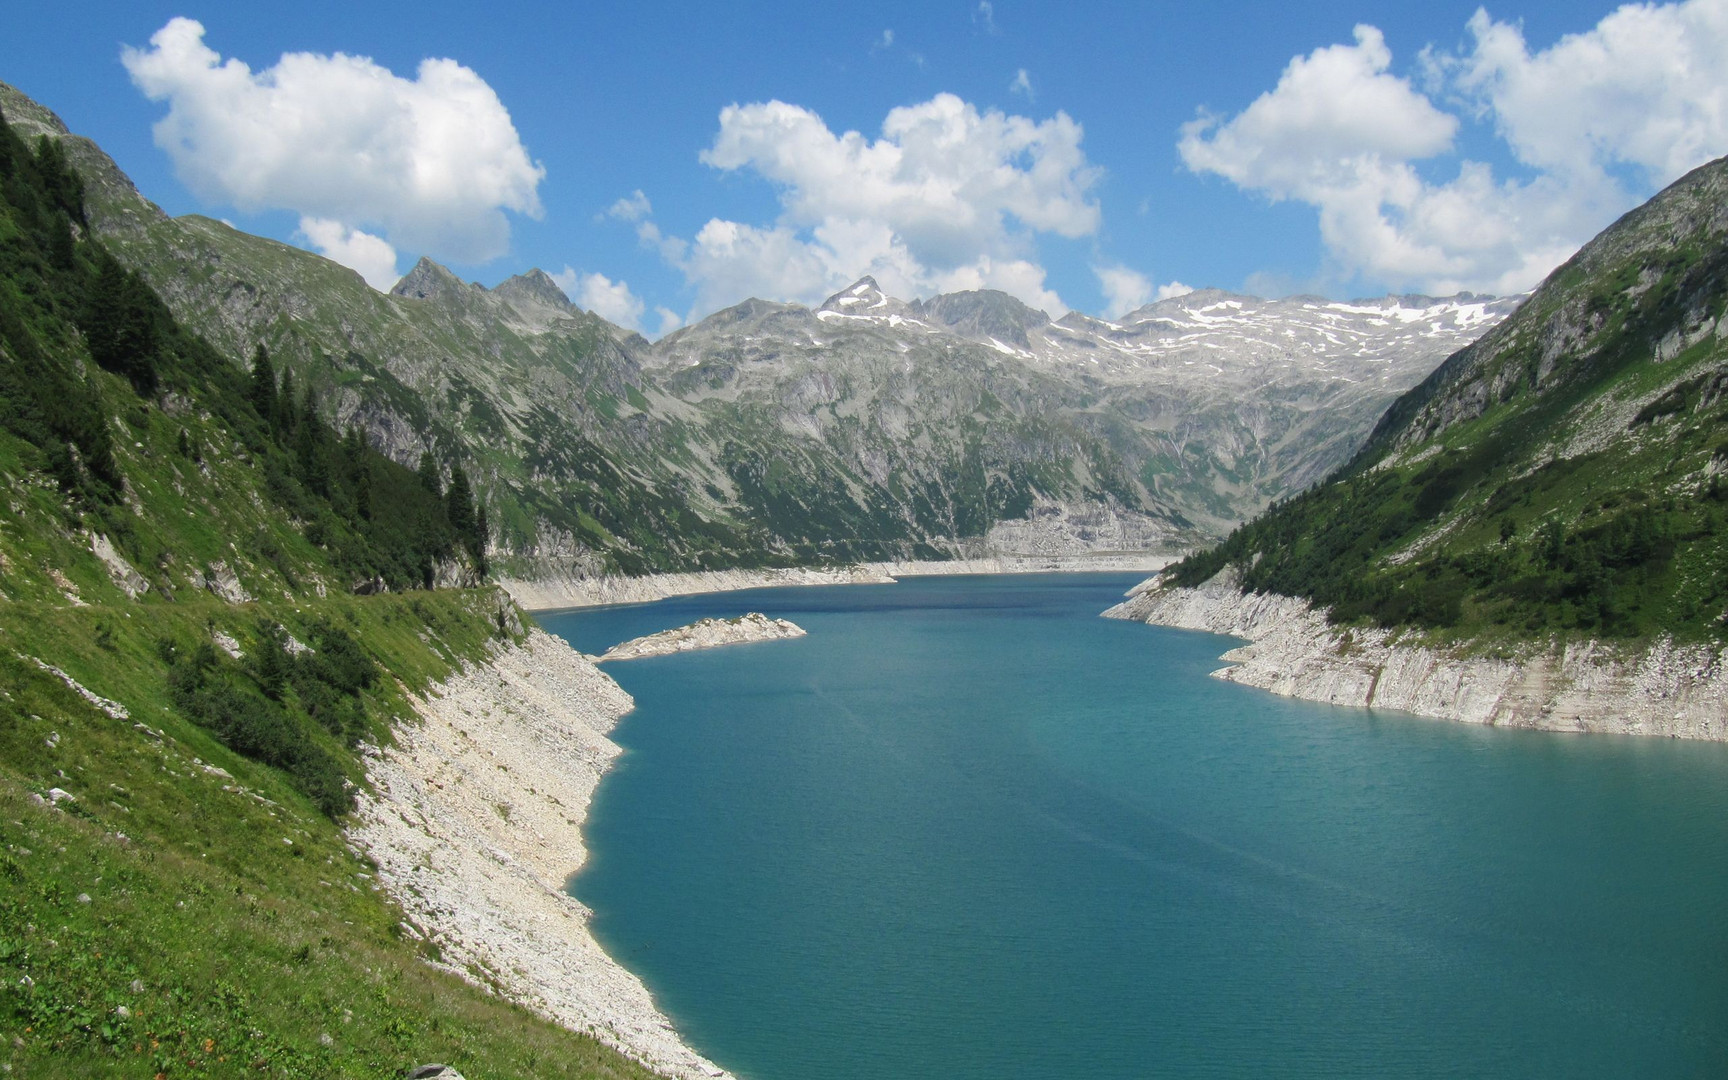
(1660, 265)
(536, 299)
(111, 200)
(1198, 300)
(984, 315)
(862, 297)
(536, 285)
(429, 281)
(1083, 323)
(26, 116)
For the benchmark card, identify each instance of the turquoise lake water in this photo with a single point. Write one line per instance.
(966, 828)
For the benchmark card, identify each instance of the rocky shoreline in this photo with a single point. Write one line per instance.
(550, 592)
(1668, 689)
(705, 634)
(475, 823)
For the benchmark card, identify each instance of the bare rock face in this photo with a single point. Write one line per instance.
(455, 574)
(221, 579)
(1188, 414)
(706, 634)
(1059, 529)
(130, 581)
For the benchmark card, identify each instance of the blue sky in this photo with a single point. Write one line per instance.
(1061, 152)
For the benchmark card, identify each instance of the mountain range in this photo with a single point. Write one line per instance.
(774, 434)
(237, 482)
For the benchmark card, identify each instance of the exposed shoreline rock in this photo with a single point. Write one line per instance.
(705, 634)
(1664, 689)
(475, 824)
(552, 592)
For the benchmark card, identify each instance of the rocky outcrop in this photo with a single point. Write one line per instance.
(706, 634)
(1662, 689)
(1052, 529)
(474, 820)
(125, 577)
(221, 579)
(458, 573)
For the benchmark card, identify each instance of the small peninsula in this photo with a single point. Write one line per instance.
(705, 634)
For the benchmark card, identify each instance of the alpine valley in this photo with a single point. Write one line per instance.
(289, 778)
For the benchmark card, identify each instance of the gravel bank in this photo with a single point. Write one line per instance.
(476, 827)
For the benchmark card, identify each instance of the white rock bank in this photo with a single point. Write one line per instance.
(705, 634)
(476, 827)
(1666, 689)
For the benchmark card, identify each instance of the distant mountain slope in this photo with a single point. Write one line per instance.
(1233, 400)
(1562, 474)
(770, 434)
(873, 425)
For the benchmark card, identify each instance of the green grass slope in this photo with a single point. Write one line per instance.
(1561, 476)
(186, 677)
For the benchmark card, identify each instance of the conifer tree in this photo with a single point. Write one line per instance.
(459, 510)
(119, 325)
(482, 538)
(261, 391)
(60, 182)
(285, 414)
(310, 465)
(429, 475)
(363, 490)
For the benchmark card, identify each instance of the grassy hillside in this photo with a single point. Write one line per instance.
(1562, 475)
(186, 680)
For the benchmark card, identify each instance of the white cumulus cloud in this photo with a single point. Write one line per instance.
(611, 300)
(632, 207)
(430, 164)
(669, 321)
(370, 256)
(1645, 88)
(948, 196)
(1126, 289)
(1332, 113)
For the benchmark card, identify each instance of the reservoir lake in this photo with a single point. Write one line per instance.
(966, 828)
